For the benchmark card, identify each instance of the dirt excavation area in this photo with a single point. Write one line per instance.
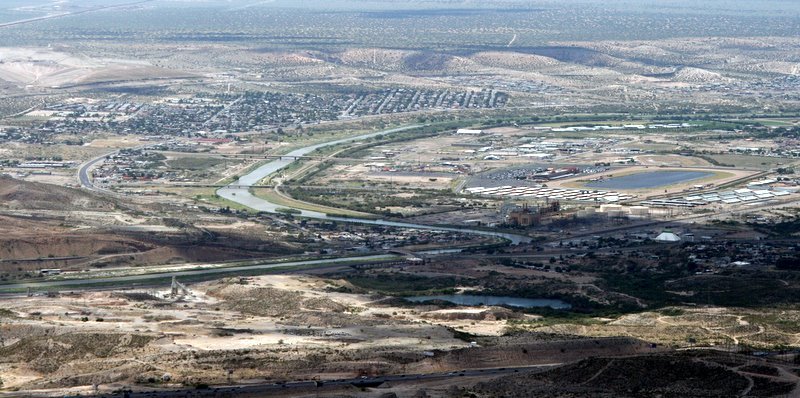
(87, 240)
(42, 67)
(268, 328)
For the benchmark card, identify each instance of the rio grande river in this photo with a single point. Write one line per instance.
(239, 192)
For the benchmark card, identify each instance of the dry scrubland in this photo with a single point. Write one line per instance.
(273, 327)
(562, 66)
(714, 326)
(696, 374)
(576, 72)
(663, 72)
(300, 327)
(53, 67)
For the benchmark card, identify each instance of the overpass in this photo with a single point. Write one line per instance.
(288, 157)
(189, 185)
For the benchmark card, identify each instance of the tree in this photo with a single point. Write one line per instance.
(788, 263)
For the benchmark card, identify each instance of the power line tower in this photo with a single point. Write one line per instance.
(178, 289)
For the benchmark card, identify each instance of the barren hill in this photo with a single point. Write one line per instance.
(17, 194)
(45, 67)
(697, 75)
(514, 60)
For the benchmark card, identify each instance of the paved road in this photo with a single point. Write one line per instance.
(280, 388)
(239, 192)
(83, 171)
(67, 14)
(196, 272)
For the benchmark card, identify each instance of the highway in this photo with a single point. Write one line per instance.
(281, 388)
(83, 171)
(195, 272)
(67, 14)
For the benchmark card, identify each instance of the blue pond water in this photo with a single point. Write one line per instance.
(649, 179)
(466, 299)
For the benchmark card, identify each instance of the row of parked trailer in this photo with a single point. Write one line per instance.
(744, 195)
(579, 195)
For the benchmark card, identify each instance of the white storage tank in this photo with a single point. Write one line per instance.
(610, 208)
(616, 213)
(640, 211)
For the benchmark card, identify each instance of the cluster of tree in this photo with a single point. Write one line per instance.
(788, 263)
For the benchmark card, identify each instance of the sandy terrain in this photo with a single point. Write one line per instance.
(46, 68)
(283, 326)
(303, 315)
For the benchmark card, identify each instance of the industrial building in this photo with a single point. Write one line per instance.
(523, 217)
(667, 237)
